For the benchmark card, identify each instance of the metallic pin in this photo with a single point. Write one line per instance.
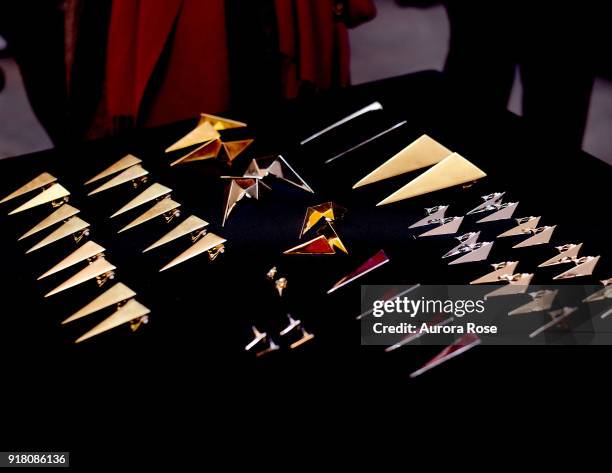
(490, 203)
(567, 254)
(210, 243)
(271, 274)
(540, 236)
(133, 174)
(55, 195)
(325, 244)
(88, 251)
(541, 300)
(220, 123)
(449, 226)
(465, 241)
(305, 337)
(292, 325)
(235, 148)
(271, 347)
(503, 212)
(371, 264)
(278, 167)
(557, 316)
(62, 213)
(207, 150)
(154, 191)
(166, 207)
(257, 338)
(434, 215)
(584, 267)
(132, 311)
(100, 270)
(458, 347)
(414, 336)
(499, 273)
(238, 188)
(474, 252)
(524, 225)
(73, 226)
(517, 284)
(203, 132)
(121, 165)
(280, 285)
(328, 211)
(115, 295)
(369, 108)
(192, 225)
(39, 182)
(602, 294)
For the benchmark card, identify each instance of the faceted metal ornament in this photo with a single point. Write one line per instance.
(52, 195)
(464, 242)
(62, 213)
(257, 338)
(85, 252)
(475, 252)
(458, 347)
(305, 337)
(272, 347)
(39, 182)
(132, 310)
(210, 243)
(291, 325)
(208, 150)
(166, 207)
(115, 295)
(434, 215)
(369, 108)
(567, 254)
(371, 264)
(490, 201)
(190, 225)
(328, 211)
(121, 165)
(503, 212)
(557, 316)
(238, 188)
(517, 284)
(325, 244)
(100, 269)
(542, 300)
(154, 191)
(540, 236)
(278, 167)
(449, 226)
(130, 174)
(452, 171)
(584, 267)
(602, 294)
(72, 226)
(234, 148)
(524, 225)
(202, 133)
(421, 153)
(499, 271)
(220, 123)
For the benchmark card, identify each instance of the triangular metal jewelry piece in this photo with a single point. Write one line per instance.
(602, 294)
(130, 174)
(258, 337)
(499, 271)
(316, 246)
(234, 148)
(236, 190)
(132, 310)
(449, 226)
(208, 150)
(541, 300)
(490, 201)
(477, 252)
(504, 212)
(329, 232)
(62, 213)
(154, 191)
(52, 194)
(116, 294)
(567, 254)
(190, 225)
(452, 171)
(272, 347)
(42, 180)
(203, 132)
(88, 250)
(292, 325)
(121, 165)
(70, 227)
(434, 215)
(305, 337)
(517, 284)
(220, 123)
(458, 347)
(371, 264)
(421, 153)
(557, 316)
(524, 224)
(98, 269)
(584, 267)
(328, 211)
(278, 167)
(164, 206)
(540, 236)
(211, 243)
(464, 241)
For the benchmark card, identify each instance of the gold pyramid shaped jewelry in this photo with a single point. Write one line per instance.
(220, 123)
(55, 195)
(62, 213)
(40, 181)
(86, 252)
(131, 311)
(421, 153)
(191, 225)
(134, 173)
(166, 207)
(100, 269)
(452, 171)
(121, 165)
(210, 243)
(234, 148)
(203, 132)
(73, 226)
(154, 191)
(115, 295)
(208, 150)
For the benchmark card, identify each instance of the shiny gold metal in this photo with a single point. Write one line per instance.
(523, 226)
(234, 148)
(210, 243)
(202, 133)
(191, 225)
(421, 153)
(90, 250)
(131, 311)
(500, 271)
(208, 150)
(41, 181)
(100, 270)
(154, 191)
(271, 274)
(452, 171)
(567, 254)
(121, 165)
(305, 337)
(133, 174)
(279, 168)
(280, 284)
(115, 295)
(55, 195)
(73, 226)
(328, 211)
(325, 244)
(166, 207)
(220, 123)
(62, 213)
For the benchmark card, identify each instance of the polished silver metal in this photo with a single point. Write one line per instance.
(465, 241)
(474, 252)
(489, 201)
(434, 215)
(539, 236)
(502, 212)
(448, 226)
